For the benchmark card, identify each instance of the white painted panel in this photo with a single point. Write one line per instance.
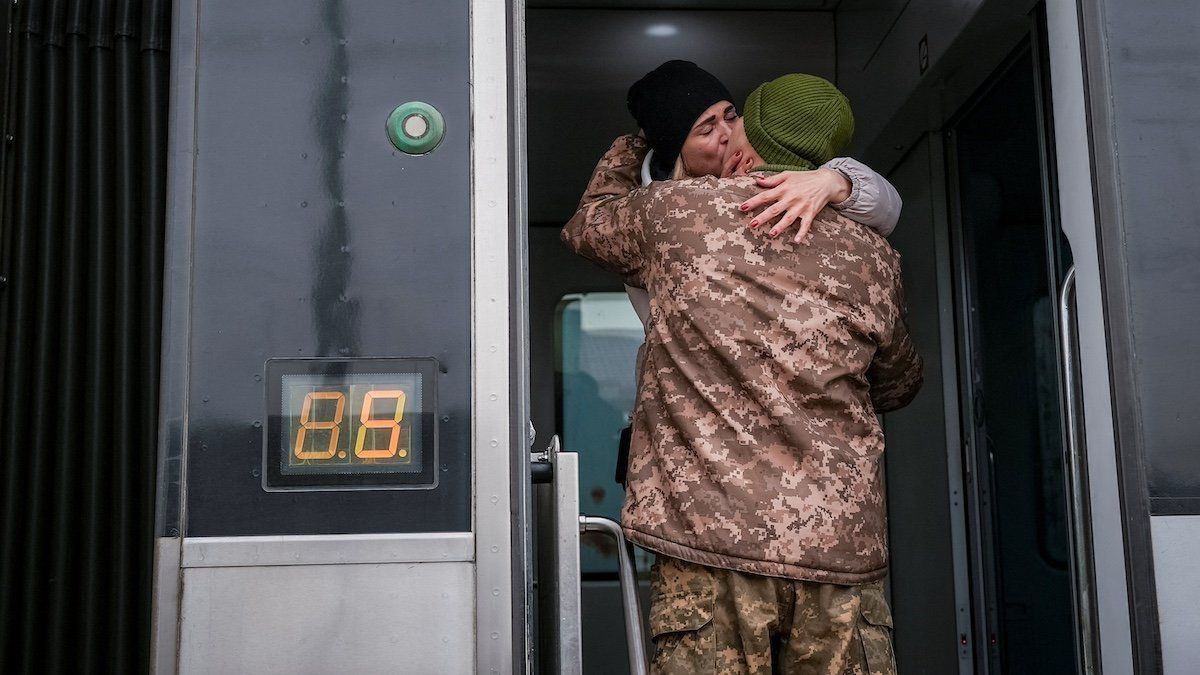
(1176, 550)
(412, 618)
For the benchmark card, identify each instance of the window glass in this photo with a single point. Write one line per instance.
(598, 339)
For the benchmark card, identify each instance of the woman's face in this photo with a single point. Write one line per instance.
(703, 152)
(740, 158)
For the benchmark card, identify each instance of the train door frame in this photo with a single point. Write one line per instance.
(1068, 27)
(937, 96)
(498, 435)
(498, 542)
(523, 435)
(987, 607)
(171, 487)
(1130, 491)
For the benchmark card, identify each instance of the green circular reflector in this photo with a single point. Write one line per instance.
(415, 128)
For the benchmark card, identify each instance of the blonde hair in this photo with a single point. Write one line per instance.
(679, 172)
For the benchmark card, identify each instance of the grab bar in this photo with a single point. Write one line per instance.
(629, 590)
(1081, 529)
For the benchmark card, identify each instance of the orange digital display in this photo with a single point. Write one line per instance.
(362, 426)
(351, 424)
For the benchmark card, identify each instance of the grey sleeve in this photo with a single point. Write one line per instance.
(873, 201)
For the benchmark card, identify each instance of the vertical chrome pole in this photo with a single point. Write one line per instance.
(1081, 534)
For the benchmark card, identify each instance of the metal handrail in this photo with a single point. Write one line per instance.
(1081, 530)
(634, 637)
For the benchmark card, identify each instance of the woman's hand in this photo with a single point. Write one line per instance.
(796, 196)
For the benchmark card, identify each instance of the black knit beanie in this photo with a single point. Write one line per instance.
(666, 103)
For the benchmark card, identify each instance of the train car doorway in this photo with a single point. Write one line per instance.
(980, 528)
(1011, 260)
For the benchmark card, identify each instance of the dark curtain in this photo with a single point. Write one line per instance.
(83, 189)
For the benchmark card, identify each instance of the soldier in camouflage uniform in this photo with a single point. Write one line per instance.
(755, 459)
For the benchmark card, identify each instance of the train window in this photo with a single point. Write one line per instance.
(598, 335)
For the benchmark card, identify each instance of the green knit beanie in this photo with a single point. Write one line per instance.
(797, 122)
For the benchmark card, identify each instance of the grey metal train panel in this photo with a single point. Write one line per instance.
(314, 237)
(1154, 67)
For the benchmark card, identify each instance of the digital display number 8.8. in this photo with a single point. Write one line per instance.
(351, 424)
(362, 448)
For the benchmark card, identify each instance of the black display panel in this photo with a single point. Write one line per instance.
(350, 424)
(312, 236)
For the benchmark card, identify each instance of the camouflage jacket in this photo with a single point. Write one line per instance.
(756, 445)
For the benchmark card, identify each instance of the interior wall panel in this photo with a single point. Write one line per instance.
(922, 576)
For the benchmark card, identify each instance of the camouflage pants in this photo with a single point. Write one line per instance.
(710, 620)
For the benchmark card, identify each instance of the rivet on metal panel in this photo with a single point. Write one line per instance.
(304, 41)
(495, 442)
(493, 397)
(495, 549)
(257, 424)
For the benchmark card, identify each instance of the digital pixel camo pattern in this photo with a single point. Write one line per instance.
(711, 620)
(755, 442)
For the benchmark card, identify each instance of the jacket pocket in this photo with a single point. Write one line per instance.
(681, 625)
(875, 631)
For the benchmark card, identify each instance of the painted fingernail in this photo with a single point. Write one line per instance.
(738, 153)
(744, 207)
(754, 223)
